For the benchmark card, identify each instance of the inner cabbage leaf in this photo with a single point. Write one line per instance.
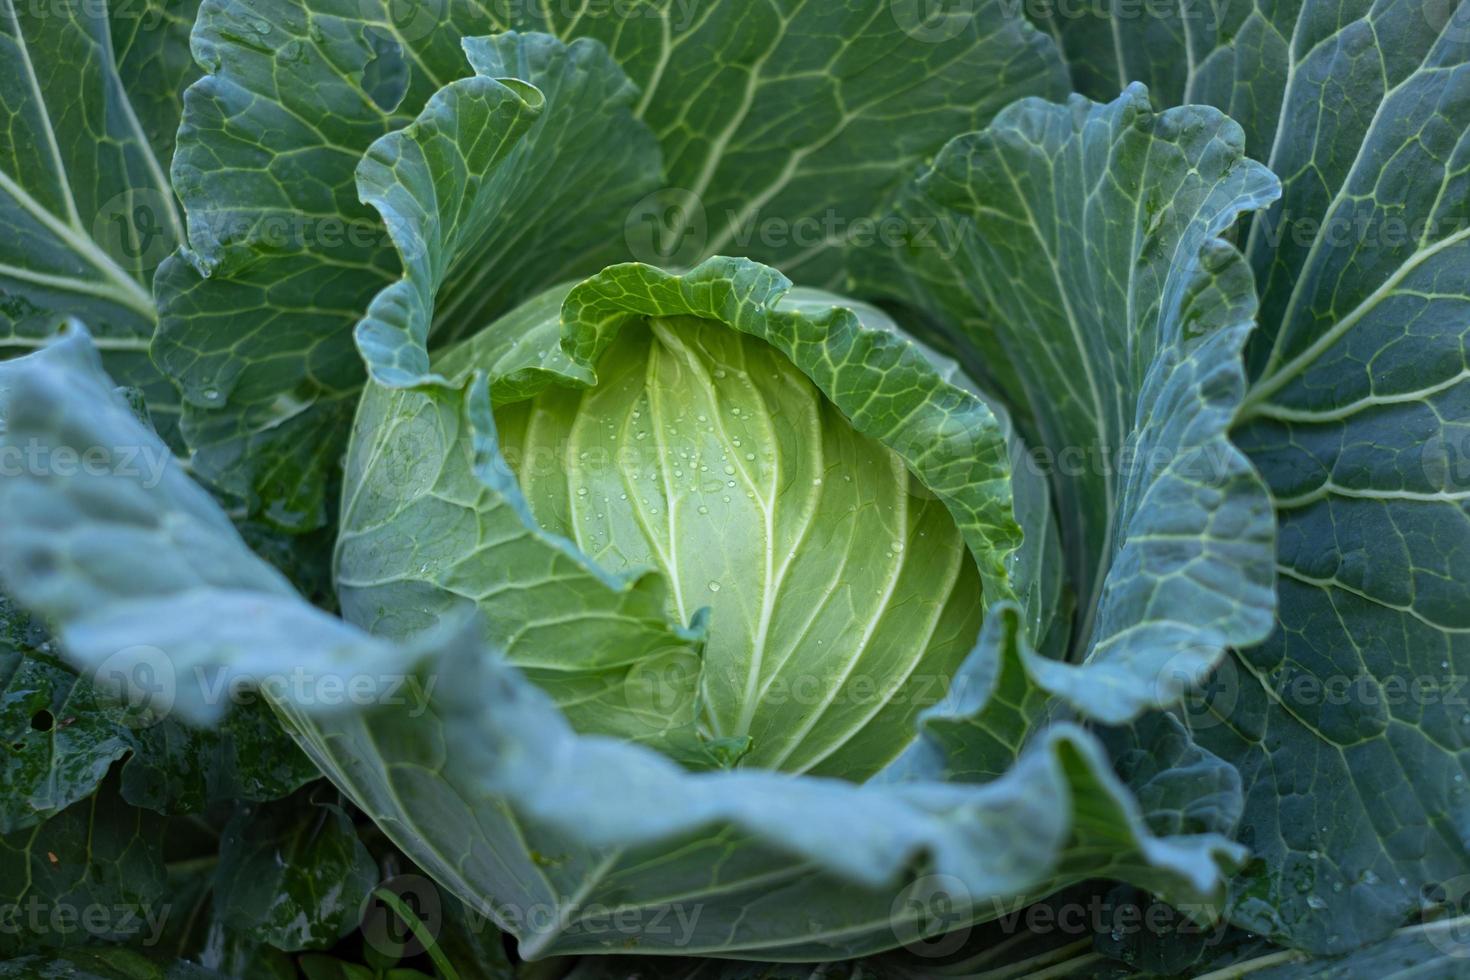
(842, 597)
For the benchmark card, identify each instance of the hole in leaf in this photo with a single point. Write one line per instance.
(43, 721)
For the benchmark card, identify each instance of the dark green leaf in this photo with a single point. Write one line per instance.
(292, 875)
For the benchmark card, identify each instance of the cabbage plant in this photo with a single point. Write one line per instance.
(788, 473)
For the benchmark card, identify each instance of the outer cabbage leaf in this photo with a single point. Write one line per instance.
(262, 347)
(491, 790)
(1359, 419)
(1088, 279)
(1434, 950)
(63, 737)
(98, 854)
(88, 102)
(292, 875)
(1234, 56)
(261, 344)
(86, 546)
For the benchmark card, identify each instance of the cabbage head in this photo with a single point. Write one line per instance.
(782, 469)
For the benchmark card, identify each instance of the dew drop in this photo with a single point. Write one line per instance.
(714, 586)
